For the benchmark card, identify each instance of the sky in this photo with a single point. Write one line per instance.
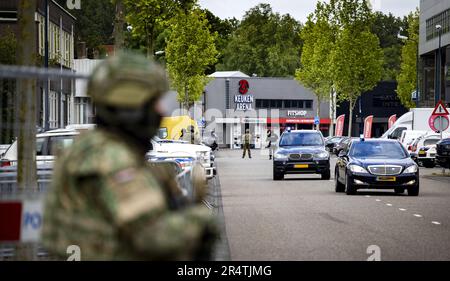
(299, 9)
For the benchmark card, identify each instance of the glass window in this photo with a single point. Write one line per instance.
(430, 142)
(287, 104)
(265, 104)
(308, 104)
(40, 146)
(375, 149)
(301, 139)
(59, 143)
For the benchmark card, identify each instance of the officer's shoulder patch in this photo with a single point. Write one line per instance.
(125, 175)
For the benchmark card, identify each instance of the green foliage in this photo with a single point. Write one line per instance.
(190, 50)
(386, 27)
(148, 18)
(357, 64)
(265, 43)
(224, 29)
(407, 78)
(315, 71)
(94, 24)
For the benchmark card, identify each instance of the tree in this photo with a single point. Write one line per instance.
(190, 50)
(147, 17)
(315, 71)
(26, 98)
(94, 24)
(357, 65)
(264, 43)
(407, 78)
(386, 27)
(224, 29)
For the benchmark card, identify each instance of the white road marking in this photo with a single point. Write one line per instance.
(378, 200)
(417, 215)
(390, 205)
(436, 222)
(401, 209)
(367, 196)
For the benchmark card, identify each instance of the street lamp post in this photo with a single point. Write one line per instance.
(402, 37)
(437, 94)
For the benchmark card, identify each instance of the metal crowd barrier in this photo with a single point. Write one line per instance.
(26, 244)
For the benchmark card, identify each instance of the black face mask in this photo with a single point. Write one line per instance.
(140, 125)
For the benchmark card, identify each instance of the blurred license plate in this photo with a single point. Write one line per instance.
(386, 178)
(301, 166)
(422, 153)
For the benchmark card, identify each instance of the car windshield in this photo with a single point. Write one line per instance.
(388, 150)
(58, 143)
(301, 139)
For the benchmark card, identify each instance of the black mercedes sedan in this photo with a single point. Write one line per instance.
(301, 152)
(376, 164)
(443, 153)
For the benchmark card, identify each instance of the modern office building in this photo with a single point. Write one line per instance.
(434, 13)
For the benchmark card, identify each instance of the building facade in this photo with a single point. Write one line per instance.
(233, 102)
(381, 102)
(433, 13)
(61, 101)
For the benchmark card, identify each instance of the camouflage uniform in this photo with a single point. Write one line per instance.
(246, 143)
(110, 202)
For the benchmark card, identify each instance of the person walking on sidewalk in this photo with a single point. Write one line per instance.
(246, 143)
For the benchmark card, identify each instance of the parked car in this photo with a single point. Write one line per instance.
(48, 144)
(409, 136)
(343, 144)
(443, 153)
(423, 150)
(184, 153)
(301, 152)
(331, 142)
(376, 164)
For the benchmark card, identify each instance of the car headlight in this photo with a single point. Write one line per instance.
(280, 156)
(411, 170)
(322, 155)
(357, 169)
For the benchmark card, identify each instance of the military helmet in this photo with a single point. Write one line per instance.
(126, 80)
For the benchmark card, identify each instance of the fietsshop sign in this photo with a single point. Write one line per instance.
(243, 100)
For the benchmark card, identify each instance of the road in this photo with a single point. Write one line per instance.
(302, 218)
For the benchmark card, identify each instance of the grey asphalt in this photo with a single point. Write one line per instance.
(302, 218)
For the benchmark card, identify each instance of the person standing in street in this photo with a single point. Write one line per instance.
(246, 138)
(272, 139)
(105, 197)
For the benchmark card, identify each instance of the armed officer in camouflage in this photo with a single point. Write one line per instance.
(105, 197)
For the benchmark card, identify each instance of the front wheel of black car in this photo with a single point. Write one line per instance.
(338, 186)
(277, 176)
(326, 175)
(429, 164)
(413, 191)
(349, 187)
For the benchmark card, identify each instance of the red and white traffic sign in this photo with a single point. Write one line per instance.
(438, 123)
(440, 109)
